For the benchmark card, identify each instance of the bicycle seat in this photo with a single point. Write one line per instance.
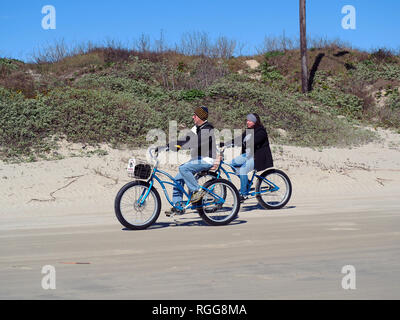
(216, 164)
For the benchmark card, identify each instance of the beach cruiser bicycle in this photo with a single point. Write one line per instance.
(272, 189)
(138, 204)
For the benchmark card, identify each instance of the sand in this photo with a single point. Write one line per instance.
(344, 211)
(80, 190)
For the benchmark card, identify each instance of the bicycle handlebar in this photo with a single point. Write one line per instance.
(221, 150)
(153, 151)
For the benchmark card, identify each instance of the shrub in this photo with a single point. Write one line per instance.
(116, 95)
(389, 115)
(7, 66)
(327, 93)
(383, 55)
(191, 95)
(99, 115)
(338, 102)
(277, 109)
(274, 53)
(370, 71)
(119, 84)
(24, 125)
(269, 73)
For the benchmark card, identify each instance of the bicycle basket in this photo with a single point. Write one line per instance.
(139, 169)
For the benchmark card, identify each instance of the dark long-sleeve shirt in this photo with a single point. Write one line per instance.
(200, 141)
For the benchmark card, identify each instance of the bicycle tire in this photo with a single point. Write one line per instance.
(208, 214)
(202, 174)
(121, 216)
(274, 204)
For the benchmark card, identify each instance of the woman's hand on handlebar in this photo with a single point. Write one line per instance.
(222, 147)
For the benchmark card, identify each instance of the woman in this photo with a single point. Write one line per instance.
(256, 152)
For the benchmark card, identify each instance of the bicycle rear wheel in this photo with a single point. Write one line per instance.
(273, 189)
(133, 209)
(203, 176)
(220, 205)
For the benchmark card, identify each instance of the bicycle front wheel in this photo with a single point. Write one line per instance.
(220, 205)
(273, 189)
(137, 206)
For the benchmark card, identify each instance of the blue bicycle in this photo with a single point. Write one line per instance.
(138, 203)
(272, 190)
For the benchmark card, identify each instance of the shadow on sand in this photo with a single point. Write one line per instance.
(251, 207)
(180, 222)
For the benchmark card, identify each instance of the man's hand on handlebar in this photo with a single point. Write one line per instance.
(153, 151)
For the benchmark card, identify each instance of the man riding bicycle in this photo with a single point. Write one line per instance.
(201, 141)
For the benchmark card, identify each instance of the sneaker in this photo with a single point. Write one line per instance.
(173, 211)
(242, 198)
(196, 196)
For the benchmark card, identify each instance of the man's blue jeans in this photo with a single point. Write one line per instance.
(245, 165)
(186, 175)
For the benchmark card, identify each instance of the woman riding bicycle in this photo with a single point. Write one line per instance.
(256, 152)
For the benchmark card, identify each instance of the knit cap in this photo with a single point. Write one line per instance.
(251, 117)
(201, 112)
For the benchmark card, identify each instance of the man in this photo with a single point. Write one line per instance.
(201, 141)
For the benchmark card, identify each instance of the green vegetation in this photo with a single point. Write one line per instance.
(338, 102)
(191, 95)
(270, 73)
(7, 65)
(369, 70)
(116, 96)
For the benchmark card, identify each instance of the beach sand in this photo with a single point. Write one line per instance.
(81, 190)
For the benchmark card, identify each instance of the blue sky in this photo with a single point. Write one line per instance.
(377, 22)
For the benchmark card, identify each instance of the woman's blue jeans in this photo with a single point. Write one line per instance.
(243, 165)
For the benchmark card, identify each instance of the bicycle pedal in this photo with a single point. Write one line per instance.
(174, 213)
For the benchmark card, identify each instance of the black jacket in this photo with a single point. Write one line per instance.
(201, 143)
(261, 152)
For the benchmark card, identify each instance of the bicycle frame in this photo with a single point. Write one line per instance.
(273, 187)
(177, 185)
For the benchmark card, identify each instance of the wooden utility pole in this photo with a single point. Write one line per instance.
(303, 47)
